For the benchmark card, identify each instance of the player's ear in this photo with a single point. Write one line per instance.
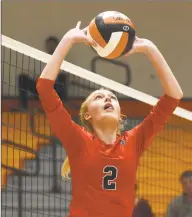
(87, 116)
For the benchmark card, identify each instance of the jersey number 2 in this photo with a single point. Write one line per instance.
(109, 179)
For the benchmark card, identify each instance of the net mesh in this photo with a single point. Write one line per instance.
(32, 156)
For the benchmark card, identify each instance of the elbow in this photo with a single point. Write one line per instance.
(179, 94)
(178, 91)
(176, 94)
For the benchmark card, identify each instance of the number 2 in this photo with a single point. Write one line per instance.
(109, 179)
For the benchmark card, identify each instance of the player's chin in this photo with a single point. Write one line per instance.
(110, 116)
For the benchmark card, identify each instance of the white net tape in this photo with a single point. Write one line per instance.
(90, 76)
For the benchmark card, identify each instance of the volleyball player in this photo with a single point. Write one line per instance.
(103, 162)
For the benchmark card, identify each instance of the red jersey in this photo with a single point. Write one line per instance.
(103, 176)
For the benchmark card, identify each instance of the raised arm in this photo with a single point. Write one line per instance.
(168, 81)
(73, 36)
(59, 119)
(160, 114)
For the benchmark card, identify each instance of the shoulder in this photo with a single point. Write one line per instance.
(86, 132)
(83, 131)
(79, 134)
(177, 200)
(78, 140)
(131, 134)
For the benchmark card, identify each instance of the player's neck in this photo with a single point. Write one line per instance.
(108, 136)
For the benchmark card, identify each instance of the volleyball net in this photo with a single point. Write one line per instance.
(32, 156)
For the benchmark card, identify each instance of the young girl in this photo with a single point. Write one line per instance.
(103, 162)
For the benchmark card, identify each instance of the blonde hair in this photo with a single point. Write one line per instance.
(65, 170)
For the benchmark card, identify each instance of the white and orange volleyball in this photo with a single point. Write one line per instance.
(113, 33)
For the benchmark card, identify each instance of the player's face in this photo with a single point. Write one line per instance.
(187, 185)
(102, 105)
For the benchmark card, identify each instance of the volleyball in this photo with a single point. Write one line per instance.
(113, 33)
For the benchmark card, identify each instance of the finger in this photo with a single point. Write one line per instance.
(136, 38)
(132, 51)
(85, 30)
(91, 42)
(78, 25)
(127, 54)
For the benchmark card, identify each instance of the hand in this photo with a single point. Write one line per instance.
(78, 35)
(141, 45)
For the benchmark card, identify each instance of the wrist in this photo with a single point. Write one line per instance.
(154, 55)
(68, 38)
(151, 48)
